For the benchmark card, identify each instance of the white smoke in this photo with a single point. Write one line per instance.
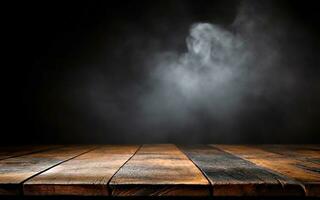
(234, 83)
(222, 67)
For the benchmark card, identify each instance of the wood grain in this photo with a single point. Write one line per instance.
(159, 170)
(308, 153)
(233, 176)
(14, 171)
(15, 151)
(86, 175)
(303, 171)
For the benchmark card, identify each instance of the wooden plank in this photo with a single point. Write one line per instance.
(307, 157)
(14, 151)
(309, 153)
(86, 175)
(14, 171)
(233, 176)
(159, 170)
(302, 171)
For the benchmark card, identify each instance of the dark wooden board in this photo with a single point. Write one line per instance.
(86, 175)
(159, 170)
(233, 176)
(15, 151)
(14, 171)
(301, 170)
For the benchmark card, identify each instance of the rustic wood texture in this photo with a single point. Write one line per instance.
(309, 153)
(294, 164)
(159, 170)
(86, 175)
(9, 152)
(14, 171)
(233, 176)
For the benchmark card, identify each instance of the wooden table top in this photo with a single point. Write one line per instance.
(161, 170)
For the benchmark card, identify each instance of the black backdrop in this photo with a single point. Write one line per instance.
(58, 48)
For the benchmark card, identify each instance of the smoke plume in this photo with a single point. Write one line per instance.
(232, 82)
(224, 71)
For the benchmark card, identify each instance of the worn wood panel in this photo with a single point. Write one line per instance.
(309, 153)
(14, 151)
(159, 170)
(233, 176)
(85, 175)
(303, 171)
(14, 171)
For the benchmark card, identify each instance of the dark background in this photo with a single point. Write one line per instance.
(56, 49)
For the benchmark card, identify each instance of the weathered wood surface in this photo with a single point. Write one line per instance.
(159, 170)
(14, 171)
(9, 151)
(309, 153)
(86, 175)
(294, 165)
(233, 176)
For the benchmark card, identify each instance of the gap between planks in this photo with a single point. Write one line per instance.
(15, 171)
(204, 174)
(159, 170)
(108, 184)
(85, 175)
(59, 164)
(27, 150)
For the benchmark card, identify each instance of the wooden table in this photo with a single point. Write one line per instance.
(161, 170)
